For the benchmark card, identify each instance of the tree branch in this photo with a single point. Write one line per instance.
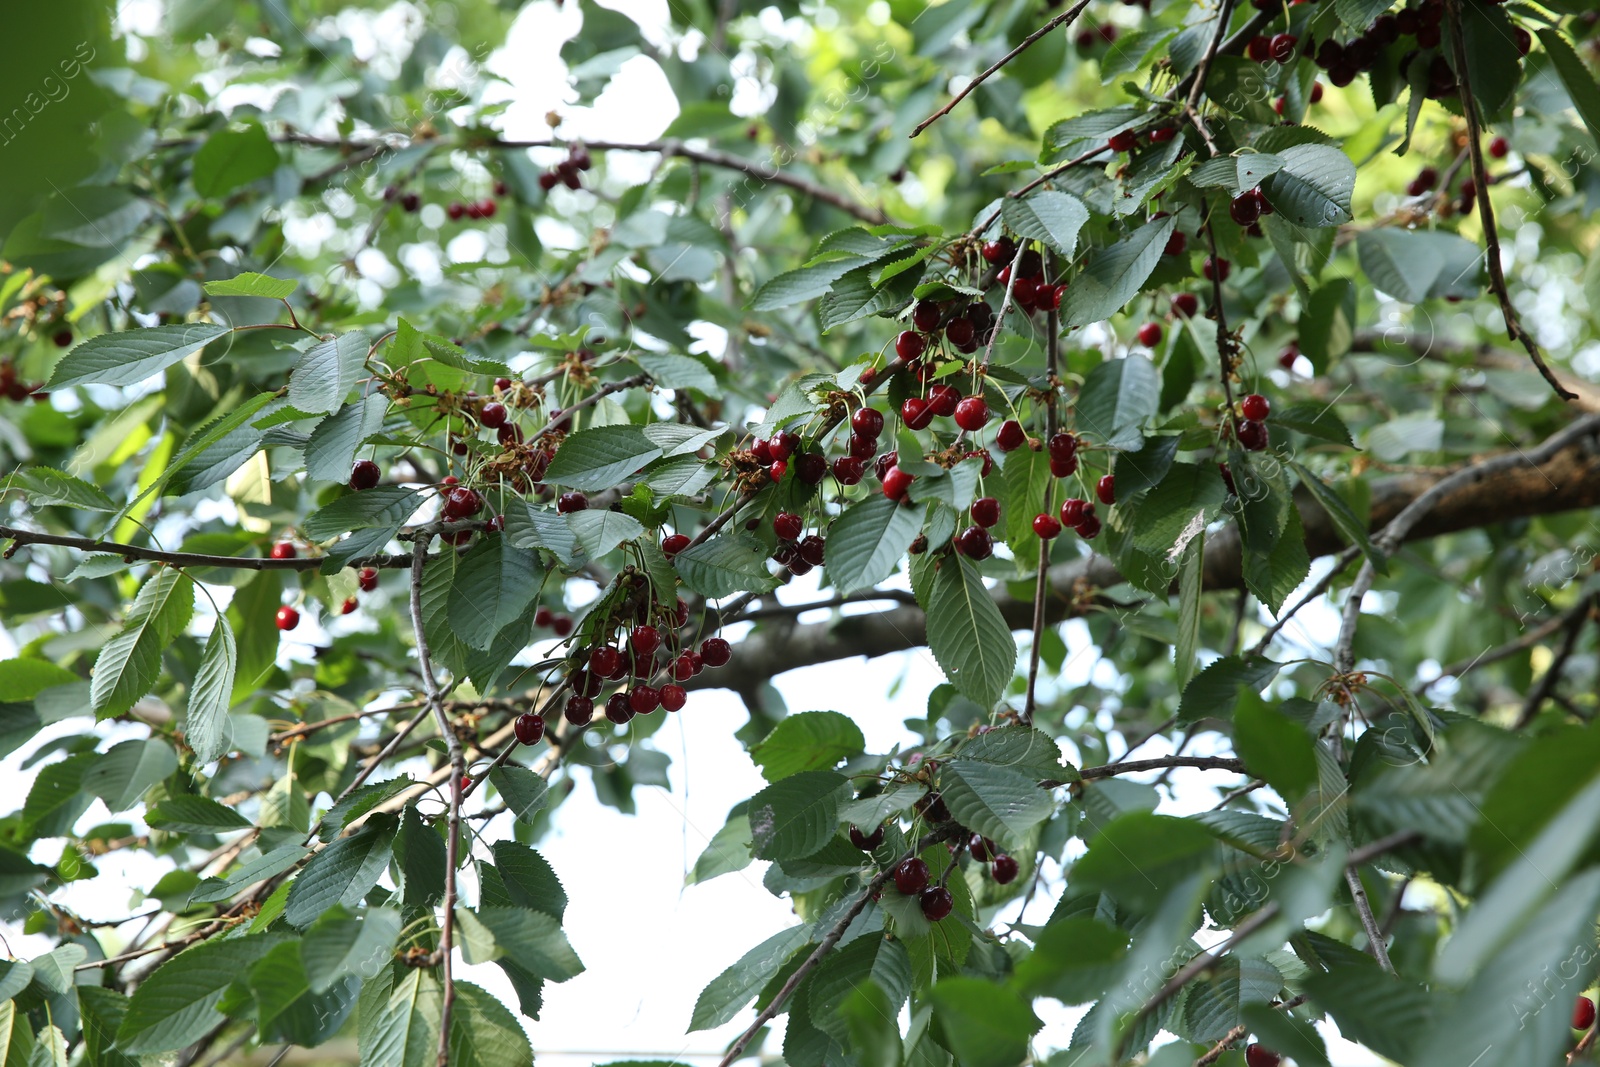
(1066, 16)
(1480, 177)
(1576, 618)
(1041, 586)
(1375, 939)
(190, 559)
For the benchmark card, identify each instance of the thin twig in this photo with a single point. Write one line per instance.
(1375, 941)
(1041, 584)
(1066, 16)
(1480, 176)
(1510, 648)
(1005, 302)
(1340, 562)
(189, 559)
(564, 419)
(1224, 16)
(1558, 663)
(830, 939)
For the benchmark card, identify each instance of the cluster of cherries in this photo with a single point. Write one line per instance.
(1030, 292)
(411, 203)
(912, 876)
(13, 387)
(566, 172)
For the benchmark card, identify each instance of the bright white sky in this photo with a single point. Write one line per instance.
(650, 943)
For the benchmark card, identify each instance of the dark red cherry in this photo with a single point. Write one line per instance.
(579, 710)
(529, 728)
(618, 708)
(567, 503)
(288, 618)
(972, 414)
(943, 400)
(1046, 527)
(895, 483)
(986, 511)
(1253, 435)
(367, 579)
(1255, 407)
(674, 697)
(909, 345)
(925, 316)
(672, 544)
(867, 422)
(1106, 489)
(975, 543)
(936, 903)
(282, 550)
(916, 413)
(1010, 437)
(849, 470)
(1004, 869)
(911, 876)
(715, 651)
(492, 414)
(364, 475)
(866, 842)
(644, 699)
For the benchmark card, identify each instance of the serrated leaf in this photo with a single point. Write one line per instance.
(130, 357)
(1414, 265)
(129, 663)
(267, 865)
(534, 939)
(529, 525)
(1178, 509)
(1214, 691)
(600, 532)
(1313, 186)
(1022, 749)
(232, 157)
(809, 741)
(252, 284)
(399, 1023)
(1352, 527)
(601, 457)
(521, 789)
(865, 959)
(994, 800)
(1191, 584)
(337, 947)
(122, 774)
(1116, 399)
(494, 583)
(195, 815)
(1327, 327)
(343, 872)
(967, 634)
(1579, 83)
(1139, 470)
(986, 1023)
(1048, 216)
(379, 507)
(867, 542)
(420, 856)
(672, 371)
(331, 451)
(1139, 856)
(327, 372)
(205, 723)
(722, 566)
(678, 476)
(483, 1033)
(728, 992)
(176, 1005)
(1114, 275)
(727, 851)
(46, 486)
(357, 804)
(792, 818)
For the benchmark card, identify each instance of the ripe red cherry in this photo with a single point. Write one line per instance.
(672, 544)
(813, 550)
(762, 450)
(972, 414)
(1245, 208)
(1011, 436)
(936, 903)
(567, 503)
(1063, 468)
(1089, 528)
(1176, 243)
(916, 413)
(778, 468)
(867, 422)
(980, 847)
(942, 399)
(1287, 358)
(895, 483)
(645, 639)
(604, 661)
(715, 651)
(1582, 1013)
(1163, 134)
(1255, 407)
(925, 316)
(1122, 141)
(961, 332)
(1216, 269)
(911, 876)
(1499, 147)
(562, 625)
(1046, 527)
(529, 728)
(1150, 334)
(348, 606)
(367, 579)
(461, 503)
(288, 618)
(1073, 511)
(810, 467)
(282, 550)
(1106, 489)
(493, 415)
(849, 470)
(975, 543)
(999, 251)
(783, 445)
(1252, 435)
(1004, 869)
(644, 699)
(1185, 304)
(618, 708)
(909, 345)
(866, 842)
(1260, 1056)
(1259, 49)
(986, 511)
(364, 475)
(457, 211)
(1316, 92)
(579, 710)
(788, 526)
(674, 697)
(863, 447)
(1283, 47)
(1063, 446)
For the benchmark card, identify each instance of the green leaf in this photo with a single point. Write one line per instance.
(1139, 856)
(252, 284)
(128, 665)
(205, 724)
(57, 799)
(1313, 185)
(528, 879)
(1138, 471)
(995, 801)
(121, 776)
(532, 526)
(46, 486)
(343, 872)
(727, 851)
(1215, 690)
(534, 939)
(792, 818)
(1328, 325)
(1048, 216)
(601, 457)
(854, 296)
(130, 357)
(483, 1033)
(339, 945)
(868, 958)
(357, 804)
(521, 789)
(399, 1025)
(1579, 83)
(600, 532)
(1178, 509)
(802, 284)
(672, 371)
(1274, 747)
(331, 451)
(722, 566)
(1112, 276)
(230, 158)
(867, 542)
(101, 1012)
(194, 815)
(1384, 1013)
(984, 1024)
(1022, 749)
(1191, 587)
(380, 506)
(326, 373)
(419, 854)
(1415, 265)
(967, 634)
(731, 990)
(177, 1005)
(493, 585)
(267, 865)
(1116, 399)
(1073, 960)
(809, 741)
(1314, 420)
(1352, 527)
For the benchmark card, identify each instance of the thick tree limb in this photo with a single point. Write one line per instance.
(1509, 486)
